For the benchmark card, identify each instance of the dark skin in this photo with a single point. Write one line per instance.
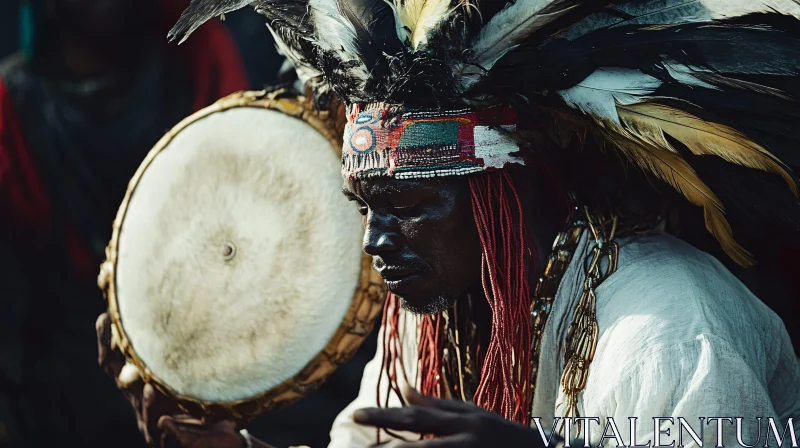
(423, 241)
(416, 234)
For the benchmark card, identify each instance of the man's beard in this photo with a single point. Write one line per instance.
(435, 305)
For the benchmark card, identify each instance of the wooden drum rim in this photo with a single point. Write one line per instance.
(358, 321)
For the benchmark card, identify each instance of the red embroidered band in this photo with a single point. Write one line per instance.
(380, 141)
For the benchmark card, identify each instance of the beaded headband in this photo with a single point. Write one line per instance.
(384, 140)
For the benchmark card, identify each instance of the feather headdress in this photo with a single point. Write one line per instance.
(670, 86)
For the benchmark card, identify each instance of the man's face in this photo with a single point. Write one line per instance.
(422, 238)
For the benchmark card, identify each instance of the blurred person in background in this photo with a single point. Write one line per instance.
(94, 88)
(80, 106)
(256, 45)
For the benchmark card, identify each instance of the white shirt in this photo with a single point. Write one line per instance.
(680, 336)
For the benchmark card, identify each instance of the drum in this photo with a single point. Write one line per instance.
(234, 275)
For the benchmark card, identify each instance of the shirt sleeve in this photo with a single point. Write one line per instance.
(703, 385)
(345, 433)
(682, 339)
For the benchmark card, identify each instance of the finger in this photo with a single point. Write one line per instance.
(183, 423)
(109, 359)
(415, 398)
(174, 434)
(151, 410)
(171, 429)
(167, 424)
(128, 376)
(185, 419)
(158, 403)
(226, 425)
(169, 441)
(418, 419)
(143, 431)
(456, 441)
(186, 435)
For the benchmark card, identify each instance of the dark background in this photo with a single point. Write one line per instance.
(8, 27)
(308, 421)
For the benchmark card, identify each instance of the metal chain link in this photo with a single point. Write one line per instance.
(581, 341)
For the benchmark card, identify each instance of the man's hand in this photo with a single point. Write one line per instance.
(454, 423)
(186, 432)
(159, 417)
(148, 403)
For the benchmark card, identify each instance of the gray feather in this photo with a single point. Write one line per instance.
(306, 72)
(201, 11)
(672, 12)
(598, 94)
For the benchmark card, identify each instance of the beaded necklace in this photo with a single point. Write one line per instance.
(462, 353)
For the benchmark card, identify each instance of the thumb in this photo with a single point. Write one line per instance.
(128, 375)
(172, 430)
(110, 359)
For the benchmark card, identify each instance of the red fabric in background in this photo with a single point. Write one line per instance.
(215, 70)
(211, 56)
(24, 205)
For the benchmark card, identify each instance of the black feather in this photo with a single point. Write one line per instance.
(290, 20)
(199, 12)
(375, 32)
(291, 14)
(768, 120)
(760, 45)
(755, 201)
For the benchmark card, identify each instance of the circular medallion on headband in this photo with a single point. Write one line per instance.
(361, 136)
(362, 140)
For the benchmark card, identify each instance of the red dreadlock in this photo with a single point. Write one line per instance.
(504, 385)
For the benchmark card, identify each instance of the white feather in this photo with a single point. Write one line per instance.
(305, 72)
(415, 19)
(512, 25)
(336, 34)
(720, 9)
(334, 31)
(685, 74)
(702, 77)
(599, 94)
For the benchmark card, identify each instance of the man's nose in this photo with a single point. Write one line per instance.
(380, 236)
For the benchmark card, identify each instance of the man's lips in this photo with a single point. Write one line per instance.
(396, 277)
(395, 273)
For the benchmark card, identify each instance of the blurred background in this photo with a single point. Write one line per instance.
(87, 87)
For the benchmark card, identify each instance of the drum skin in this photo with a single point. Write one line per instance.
(234, 276)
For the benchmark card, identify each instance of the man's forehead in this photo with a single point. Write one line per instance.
(382, 185)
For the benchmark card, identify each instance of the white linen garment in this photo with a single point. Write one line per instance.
(680, 336)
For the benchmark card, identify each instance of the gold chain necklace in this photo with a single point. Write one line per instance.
(581, 341)
(545, 292)
(459, 367)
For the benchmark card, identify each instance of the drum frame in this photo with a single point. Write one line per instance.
(360, 317)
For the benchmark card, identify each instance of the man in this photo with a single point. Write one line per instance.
(478, 133)
(80, 107)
